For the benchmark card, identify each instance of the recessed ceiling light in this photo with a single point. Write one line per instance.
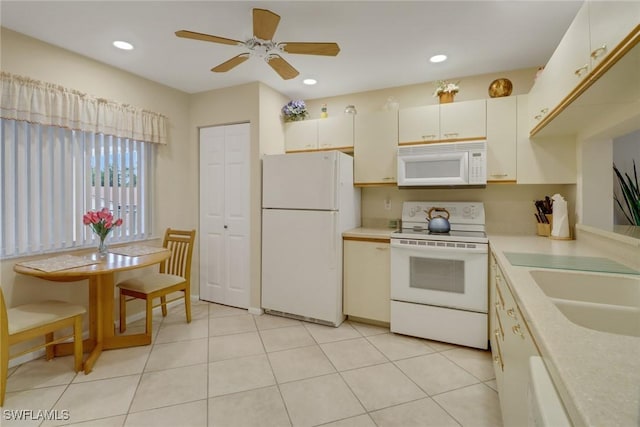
(310, 82)
(438, 58)
(123, 45)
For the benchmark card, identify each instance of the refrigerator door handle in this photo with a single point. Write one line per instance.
(335, 238)
(338, 183)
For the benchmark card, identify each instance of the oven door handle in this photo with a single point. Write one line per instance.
(481, 248)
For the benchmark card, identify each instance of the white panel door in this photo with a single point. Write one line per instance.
(224, 214)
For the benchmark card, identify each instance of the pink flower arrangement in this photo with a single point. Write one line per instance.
(101, 222)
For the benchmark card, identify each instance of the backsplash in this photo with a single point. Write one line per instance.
(509, 208)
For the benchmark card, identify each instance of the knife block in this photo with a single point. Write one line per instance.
(545, 229)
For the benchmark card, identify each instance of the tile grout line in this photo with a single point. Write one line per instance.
(275, 378)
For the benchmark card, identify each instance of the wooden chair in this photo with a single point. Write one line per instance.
(29, 321)
(174, 276)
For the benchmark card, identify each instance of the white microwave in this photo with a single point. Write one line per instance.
(449, 164)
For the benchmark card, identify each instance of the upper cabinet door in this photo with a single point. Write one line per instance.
(569, 64)
(302, 135)
(609, 23)
(419, 124)
(376, 148)
(502, 138)
(463, 120)
(335, 132)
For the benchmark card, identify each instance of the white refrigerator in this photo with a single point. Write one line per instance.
(308, 200)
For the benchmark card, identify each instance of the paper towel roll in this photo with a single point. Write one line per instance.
(560, 227)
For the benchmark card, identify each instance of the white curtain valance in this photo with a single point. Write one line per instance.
(53, 105)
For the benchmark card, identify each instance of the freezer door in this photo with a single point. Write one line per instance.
(302, 264)
(300, 181)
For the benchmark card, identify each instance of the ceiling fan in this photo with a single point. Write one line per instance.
(261, 45)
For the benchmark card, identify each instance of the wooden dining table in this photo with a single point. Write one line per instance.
(101, 279)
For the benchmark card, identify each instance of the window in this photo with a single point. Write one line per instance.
(50, 176)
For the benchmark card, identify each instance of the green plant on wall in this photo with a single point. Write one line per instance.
(631, 194)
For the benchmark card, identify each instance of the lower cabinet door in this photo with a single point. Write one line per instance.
(366, 279)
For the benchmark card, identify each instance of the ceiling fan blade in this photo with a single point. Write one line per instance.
(206, 37)
(265, 23)
(327, 49)
(282, 67)
(233, 62)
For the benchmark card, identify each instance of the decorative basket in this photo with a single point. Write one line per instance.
(446, 97)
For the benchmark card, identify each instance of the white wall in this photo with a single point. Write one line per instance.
(626, 150)
(259, 105)
(175, 171)
(509, 207)
(473, 87)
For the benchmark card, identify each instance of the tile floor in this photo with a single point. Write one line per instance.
(230, 368)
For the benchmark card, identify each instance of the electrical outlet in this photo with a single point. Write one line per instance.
(387, 204)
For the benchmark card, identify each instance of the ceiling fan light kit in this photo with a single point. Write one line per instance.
(262, 45)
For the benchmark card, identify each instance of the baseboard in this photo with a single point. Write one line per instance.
(256, 310)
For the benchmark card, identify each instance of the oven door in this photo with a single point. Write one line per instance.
(437, 169)
(445, 274)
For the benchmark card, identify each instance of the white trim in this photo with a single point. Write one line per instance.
(256, 310)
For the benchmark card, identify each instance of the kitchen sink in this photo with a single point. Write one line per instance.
(605, 303)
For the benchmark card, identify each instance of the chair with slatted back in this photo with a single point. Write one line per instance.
(30, 321)
(174, 276)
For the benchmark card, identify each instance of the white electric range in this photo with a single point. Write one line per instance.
(439, 281)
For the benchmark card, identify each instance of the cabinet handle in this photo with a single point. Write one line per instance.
(388, 178)
(538, 116)
(381, 249)
(451, 134)
(428, 136)
(599, 51)
(580, 71)
(511, 313)
(517, 331)
(544, 110)
(499, 174)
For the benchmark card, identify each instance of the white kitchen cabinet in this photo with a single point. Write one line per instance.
(367, 279)
(495, 328)
(455, 121)
(332, 133)
(549, 160)
(463, 120)
(502, 136)
(336, 132)
(599, 26)
(301, 135)
(375, 148)
(609, 23)
(419, 124)
(514, 344)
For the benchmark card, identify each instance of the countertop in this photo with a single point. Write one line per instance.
(369, 233)
(596, 374)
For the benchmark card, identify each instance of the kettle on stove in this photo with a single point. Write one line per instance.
(438, 223)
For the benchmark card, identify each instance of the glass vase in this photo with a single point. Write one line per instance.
(103, 247)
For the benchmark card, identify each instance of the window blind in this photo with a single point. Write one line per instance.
(51, 176)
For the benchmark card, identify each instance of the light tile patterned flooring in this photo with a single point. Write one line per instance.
(230, 368)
